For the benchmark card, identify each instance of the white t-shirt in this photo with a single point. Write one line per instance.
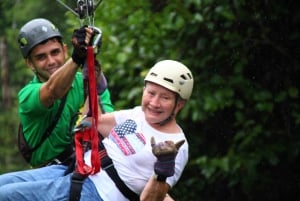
(129, 146)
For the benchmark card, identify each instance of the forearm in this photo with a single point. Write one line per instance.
(59, 83)
(154, 190)
(62, 79)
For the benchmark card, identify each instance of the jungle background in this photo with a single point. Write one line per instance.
(242, 122)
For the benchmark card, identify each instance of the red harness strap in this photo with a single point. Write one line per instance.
(89, 135)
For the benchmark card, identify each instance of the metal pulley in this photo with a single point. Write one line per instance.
(84, 9)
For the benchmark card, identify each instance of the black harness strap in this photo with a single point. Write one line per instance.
(53, 123)
(76, 186)
(25, 149)
(108, 166)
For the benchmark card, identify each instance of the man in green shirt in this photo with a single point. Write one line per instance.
(54, 77)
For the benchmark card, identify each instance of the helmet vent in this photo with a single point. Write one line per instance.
(188, 76)
(22, 42)
(169, 80)
(153, 74)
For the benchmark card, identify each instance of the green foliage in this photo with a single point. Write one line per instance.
(10, 158)
(243, 119)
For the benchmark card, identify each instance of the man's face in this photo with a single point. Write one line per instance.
(46, 58)
(158, 103)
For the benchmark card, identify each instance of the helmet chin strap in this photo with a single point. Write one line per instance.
(169, 118)
(166, 120)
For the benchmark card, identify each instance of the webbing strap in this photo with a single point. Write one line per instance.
(98, 150)
(81, 138)
(93, 98)
(87, 135)
(108, 166)
(76, 186)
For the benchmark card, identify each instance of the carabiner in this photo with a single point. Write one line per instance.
(97, 40)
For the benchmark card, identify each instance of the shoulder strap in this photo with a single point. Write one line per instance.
(52, 125)
(108, 166)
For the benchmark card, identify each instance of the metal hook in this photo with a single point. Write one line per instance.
(85, 8)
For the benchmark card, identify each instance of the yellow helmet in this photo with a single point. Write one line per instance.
(172, 75)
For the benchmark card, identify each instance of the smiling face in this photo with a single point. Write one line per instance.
(46, 58)
(159, 103)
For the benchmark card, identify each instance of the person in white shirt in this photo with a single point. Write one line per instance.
(148, 148)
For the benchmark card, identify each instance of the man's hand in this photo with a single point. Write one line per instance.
(165, 153)
(80, 39)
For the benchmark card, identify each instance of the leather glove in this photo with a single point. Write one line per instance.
(165, 153)
(79, 45)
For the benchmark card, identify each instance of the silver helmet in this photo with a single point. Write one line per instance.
(35, 32)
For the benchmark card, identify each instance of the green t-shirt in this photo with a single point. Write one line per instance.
(35, 118)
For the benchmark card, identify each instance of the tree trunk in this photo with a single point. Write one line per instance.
(6, 95)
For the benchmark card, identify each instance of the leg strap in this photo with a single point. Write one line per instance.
(107, 165)
(76, 186)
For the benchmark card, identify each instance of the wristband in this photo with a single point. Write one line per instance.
(160, 178)
(78, 57)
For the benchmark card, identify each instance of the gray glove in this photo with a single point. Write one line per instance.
(165, 153)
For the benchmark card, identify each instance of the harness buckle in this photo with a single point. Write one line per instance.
(77, 181)
(106, 163)
(77, 178)
(107, 167)
(57, 161)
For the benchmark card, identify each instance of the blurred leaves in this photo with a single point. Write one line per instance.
(242, 121)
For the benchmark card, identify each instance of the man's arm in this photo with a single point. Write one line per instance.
(61, 80)
(58, 84)
(155, 190)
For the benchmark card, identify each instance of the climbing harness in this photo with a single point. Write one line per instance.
(86, 134)
(89, 135)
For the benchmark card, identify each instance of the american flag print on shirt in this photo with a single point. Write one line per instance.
(127, 138)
